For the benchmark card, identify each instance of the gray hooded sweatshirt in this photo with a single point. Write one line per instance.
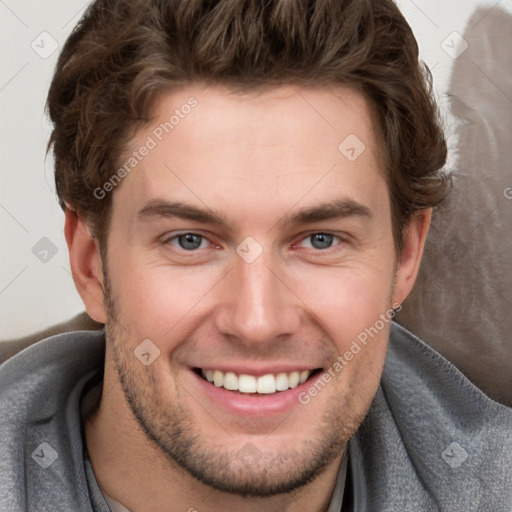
(431, 440)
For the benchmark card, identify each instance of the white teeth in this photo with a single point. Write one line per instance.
(218, 378)
(266, 384)
(247, 384)
(230, 381)
(281, 382)
(293, 379)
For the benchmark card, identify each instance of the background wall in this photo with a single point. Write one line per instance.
(36, 289)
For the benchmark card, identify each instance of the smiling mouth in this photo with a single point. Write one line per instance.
(249, 384)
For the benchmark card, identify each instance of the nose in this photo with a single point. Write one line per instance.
(257, 307)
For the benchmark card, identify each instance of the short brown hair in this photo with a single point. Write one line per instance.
(124, 53)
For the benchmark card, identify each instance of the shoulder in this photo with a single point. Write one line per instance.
(414, 369)
(36, 382)
(431, 438)
(50, 366)
(40, 432)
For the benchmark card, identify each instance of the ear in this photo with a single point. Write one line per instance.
(86, 267)
(414, 236)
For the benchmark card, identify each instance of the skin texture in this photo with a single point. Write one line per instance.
(158, 440)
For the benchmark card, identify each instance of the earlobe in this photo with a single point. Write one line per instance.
(408, 266)
(86, 266)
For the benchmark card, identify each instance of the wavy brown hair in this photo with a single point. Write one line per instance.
(125, 53)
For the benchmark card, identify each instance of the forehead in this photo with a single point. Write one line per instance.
(277, 146)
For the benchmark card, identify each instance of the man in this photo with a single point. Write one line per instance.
(247, 189)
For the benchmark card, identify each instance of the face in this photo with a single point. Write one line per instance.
(252, 246)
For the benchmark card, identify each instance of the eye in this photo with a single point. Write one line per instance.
(188, 241)
(319, 241)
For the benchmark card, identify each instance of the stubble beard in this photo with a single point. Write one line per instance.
(245, 471)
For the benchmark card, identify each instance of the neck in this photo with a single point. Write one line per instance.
(130, 468)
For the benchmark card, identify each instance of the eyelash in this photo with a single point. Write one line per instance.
(340, 240)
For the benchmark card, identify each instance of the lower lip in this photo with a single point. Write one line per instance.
(249, 405)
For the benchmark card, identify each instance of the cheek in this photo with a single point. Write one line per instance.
(346, 300)
(353, 307)
(154, 299)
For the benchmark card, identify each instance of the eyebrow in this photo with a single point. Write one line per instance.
(157, 208)
(331, 210)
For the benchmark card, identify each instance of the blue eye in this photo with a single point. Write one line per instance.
(187, 241)
(319, 241)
